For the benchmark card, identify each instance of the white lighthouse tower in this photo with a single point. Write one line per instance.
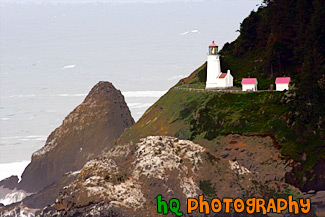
(214, 68)
(215, 78)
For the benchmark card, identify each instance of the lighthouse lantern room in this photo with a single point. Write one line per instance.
(213, 49)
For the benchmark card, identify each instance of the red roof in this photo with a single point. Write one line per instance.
(213, 44)
(282, 80)
(249, 81)
(223, 75)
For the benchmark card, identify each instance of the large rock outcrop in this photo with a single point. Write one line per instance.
(88, 130)
(126, 180)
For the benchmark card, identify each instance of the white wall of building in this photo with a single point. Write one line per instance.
(249, 87)
(222, 83)
(282, 87)
(226, 82)
(230, 79)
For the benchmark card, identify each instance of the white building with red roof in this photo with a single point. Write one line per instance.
(282, 83)
(249, 84)
(215, 78)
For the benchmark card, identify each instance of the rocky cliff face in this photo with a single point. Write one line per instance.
(88, 130)
(126, 180)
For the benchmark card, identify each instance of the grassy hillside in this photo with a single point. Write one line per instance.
(204, 117)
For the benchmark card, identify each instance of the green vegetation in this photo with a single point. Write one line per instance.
(196, 80)
(288, 191)
(239, 113)
(207, 189)
(285, 38)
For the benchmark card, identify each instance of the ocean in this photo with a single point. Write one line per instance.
(53, 52)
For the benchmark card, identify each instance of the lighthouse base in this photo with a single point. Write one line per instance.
(211, 86)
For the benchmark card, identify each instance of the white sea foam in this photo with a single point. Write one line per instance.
(10, 169)
(13, 197)
(192, 31)
(9, 139)
(184, 33)
(69, 67)
(23, 137)
(50, 111)
(131, 105)
(144, 93)
(126, 94)
(22, 96)
(72, 95)
(73, 173)
(139, 105)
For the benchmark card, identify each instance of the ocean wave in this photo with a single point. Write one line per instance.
(24, 138)
(139, 105)
(50, 111)
(137, 94)
(22, 96)
(176, 77)
(14, 197)
(133, 104)
(192, 31)
(184, 33)
(71, 95)
(69, 67)
(14, 168)
(34, 136)
(126, 93)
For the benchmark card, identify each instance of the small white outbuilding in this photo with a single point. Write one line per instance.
(249, 84)
(282, 83)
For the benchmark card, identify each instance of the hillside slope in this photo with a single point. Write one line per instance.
(206, 117)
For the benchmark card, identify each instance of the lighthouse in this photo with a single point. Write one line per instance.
(213, 69)
(215, 78)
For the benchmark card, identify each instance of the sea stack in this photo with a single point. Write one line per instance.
(84, 134)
